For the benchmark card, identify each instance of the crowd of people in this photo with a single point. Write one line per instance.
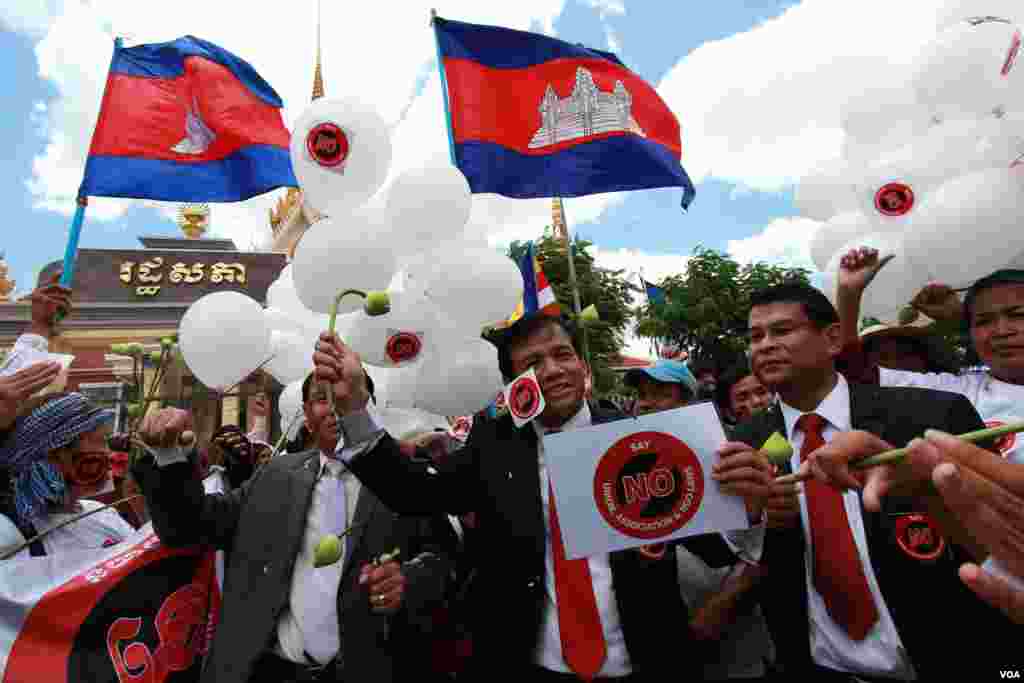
(451, 563)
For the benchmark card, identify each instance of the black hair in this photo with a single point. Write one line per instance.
(729, 378)
(1006, 276)
(698, 366)
(307, 387)
(818, 309)
(520, 330)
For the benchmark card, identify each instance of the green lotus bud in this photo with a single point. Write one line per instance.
(328, 551)
(135, 349)
(166, 342)
(908, 315)
(134, 410)
(589, 315)
(156, 357)
(119, 349)
(377, 303)
(777, 449)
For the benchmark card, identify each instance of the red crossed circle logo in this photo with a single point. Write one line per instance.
(648, 485)
(524, 397)
(402, 347)
(894, 199)
(327, 144)
(919, 537)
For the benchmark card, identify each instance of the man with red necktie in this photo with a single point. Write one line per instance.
(537, 615)
(852, 595)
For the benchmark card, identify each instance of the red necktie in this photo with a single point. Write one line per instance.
(579, 623)
(838, 572)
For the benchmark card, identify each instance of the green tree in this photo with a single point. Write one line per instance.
(607, 289)
(706, 308)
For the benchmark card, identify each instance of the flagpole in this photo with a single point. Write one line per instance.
(585, 347)
(444, 89)
(75, 233)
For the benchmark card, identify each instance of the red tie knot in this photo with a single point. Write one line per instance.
(811, 423)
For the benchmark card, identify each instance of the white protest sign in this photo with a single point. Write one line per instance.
(640, 481)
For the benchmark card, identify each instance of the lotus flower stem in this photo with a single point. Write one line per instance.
(330, 328)
(898, 455)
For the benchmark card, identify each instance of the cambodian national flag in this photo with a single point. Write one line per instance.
(186, 121)
(538, 295)
(532, 116)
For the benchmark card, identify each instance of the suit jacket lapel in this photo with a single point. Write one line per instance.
(303, 480)
(366, 503)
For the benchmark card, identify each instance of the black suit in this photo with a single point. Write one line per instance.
(261, 525)
(496, 475)
(937, 618)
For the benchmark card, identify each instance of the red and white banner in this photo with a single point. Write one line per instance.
(137, 612)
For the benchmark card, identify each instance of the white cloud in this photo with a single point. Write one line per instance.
(605, 9)
(784, 241)
(761, 108)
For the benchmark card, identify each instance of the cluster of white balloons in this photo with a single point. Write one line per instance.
(932, 170)
(444, 286)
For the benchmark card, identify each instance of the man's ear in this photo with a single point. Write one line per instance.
(834, 336)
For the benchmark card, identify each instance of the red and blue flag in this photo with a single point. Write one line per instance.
(187, 121)
(532, 116)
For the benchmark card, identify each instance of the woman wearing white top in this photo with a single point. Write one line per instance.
(993, 310)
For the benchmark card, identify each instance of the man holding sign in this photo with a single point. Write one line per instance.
(539, 616)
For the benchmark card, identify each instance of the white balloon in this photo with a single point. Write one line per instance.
(399, 337)
(954, 11)
(282, 295)
(885, 115)
(289, 407)
(964, 70)
(970, 226)
(224, 338)
(345, 252)
(825, 191)
(461, 381)
(835, 233)
(473, 286)
(895, 285)
(334, 190)
(428, 205)
(291, 357)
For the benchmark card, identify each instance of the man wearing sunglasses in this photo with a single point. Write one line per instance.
(58, 456)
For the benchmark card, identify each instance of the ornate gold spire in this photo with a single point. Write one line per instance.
(6, 286)
(194, 219)
(318, 76)
(558, 227)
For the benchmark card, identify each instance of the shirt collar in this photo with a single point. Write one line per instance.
(835, 408)
(332, 466)
(580, 419)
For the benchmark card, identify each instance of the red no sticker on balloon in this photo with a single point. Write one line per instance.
(648, 485)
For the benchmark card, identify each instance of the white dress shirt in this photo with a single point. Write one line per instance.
(881, 653)
(290, 640)
(549, 644)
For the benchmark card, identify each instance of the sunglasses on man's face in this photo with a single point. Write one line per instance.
(88, 468)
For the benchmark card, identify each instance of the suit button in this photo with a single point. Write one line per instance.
(532, 583)
(266, 569)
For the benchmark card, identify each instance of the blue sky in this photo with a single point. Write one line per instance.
(651, 38)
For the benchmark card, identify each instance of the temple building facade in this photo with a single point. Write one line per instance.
(138, 296)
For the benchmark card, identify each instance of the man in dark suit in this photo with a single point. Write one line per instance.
(283, 619)
(850, 594)
(538, 616)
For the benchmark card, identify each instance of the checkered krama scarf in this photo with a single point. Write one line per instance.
(54, 424)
